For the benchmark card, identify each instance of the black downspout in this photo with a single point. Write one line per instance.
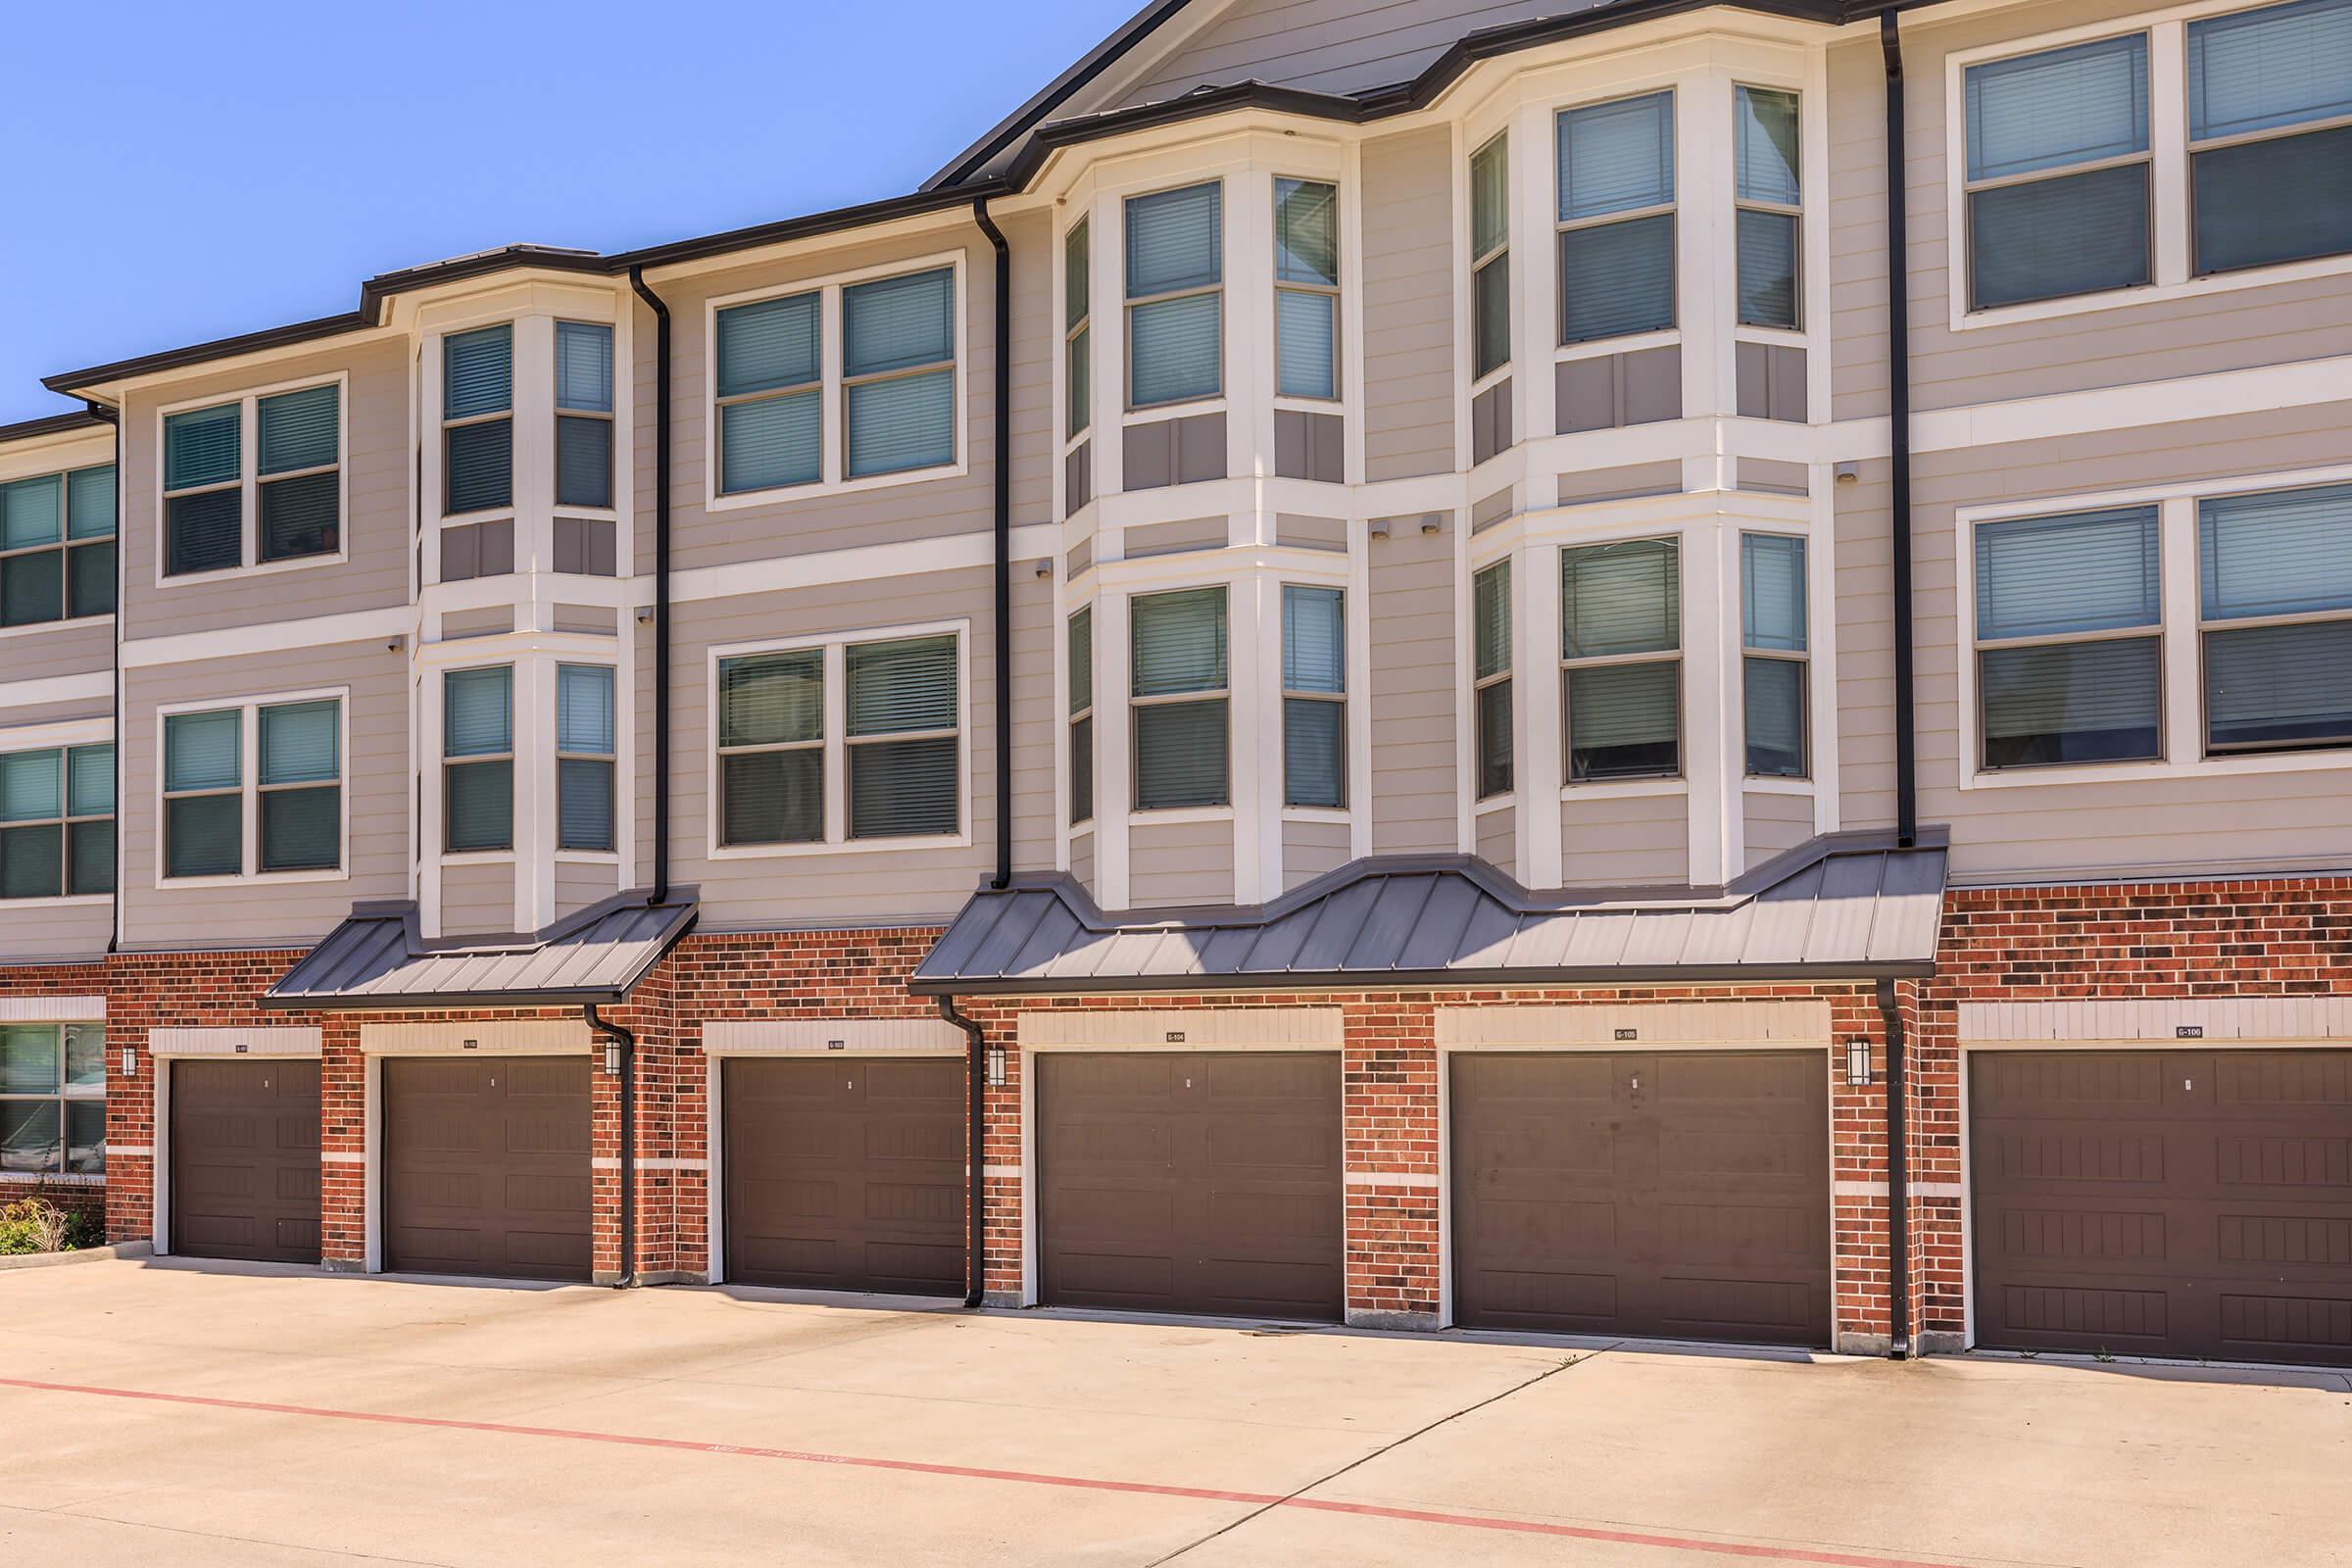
(1898, 1183)
(975, 1072)
(1898, 411)
(114, 418)
(1003, 488)
(627, 1043)
(660, 583)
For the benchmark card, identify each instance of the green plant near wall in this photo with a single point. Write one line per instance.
(36, 1225)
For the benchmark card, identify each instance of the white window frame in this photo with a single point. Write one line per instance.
(514, 756)
(1131, 412)
(1066, 439)
(64, 737)
(1559, 227)
(66, 1095)
(1234, 589)
(1679, 655)
(1800, 260)
(1072, 717)
(249, 482)
(836, 742)
(249, 788)
(833, 438)
(1802, 657)
(611, 416)
(1337, 293)
(610, 758)
(1476, 380)
(66, 545)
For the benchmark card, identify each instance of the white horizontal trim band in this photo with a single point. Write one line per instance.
(495, 1037)
(277, 1040)
(340, 1158)
(1003, 1173)
(2158, 1019)
(52, 1009)
(135, 1151)
(271, 637)
(1383, 1178)
(673, 1164)
(860, 563)
(97, 686)
(1640, 1025)
(1310, 1028)
(1879, 1190)
(929, 1037)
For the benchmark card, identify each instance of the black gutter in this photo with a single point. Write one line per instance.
(1003, 505)
(975, 1090)
(627, 1043)
(1898, 412)
(55, 423)
(1898, 1183)
(98, 412)
(662, 444)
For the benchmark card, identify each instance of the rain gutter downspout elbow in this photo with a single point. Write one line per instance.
(626, 1043)
(1000, 409)
(975, 1072)
(662, 444)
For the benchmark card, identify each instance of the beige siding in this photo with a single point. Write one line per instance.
(478, 899)
(580, 883)
(1333, 46)
(44, 930)
(1408, 304)
(74, 648)
(1311, 847)
(1413, 697)
(1643, 841)
(1775, 824)
(1499, 838)
(1036, 645)
(1082, 860)
(1179, 862)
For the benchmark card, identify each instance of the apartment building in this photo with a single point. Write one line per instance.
(1426, 664)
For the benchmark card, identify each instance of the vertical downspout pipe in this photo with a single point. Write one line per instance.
(114, 418)
(1898, 1181)
(1002, 410)
(975, 1072)
(1898, 411)
(661, 582)
(628, 1140)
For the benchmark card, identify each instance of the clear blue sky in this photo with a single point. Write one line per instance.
(179, 173)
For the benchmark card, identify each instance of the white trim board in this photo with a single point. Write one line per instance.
(1285, 1028)
(2157, 1019)
(899, 1037)
(497, 1037)
(1640, 1027)
(268, 1040)
(40, 1007)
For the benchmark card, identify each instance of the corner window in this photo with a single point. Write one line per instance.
(53, 1099)
(770, 394)
(283, 814)
(1766, 195)
(1491, 257)
(57, 823)
(2069, 647)
(1077, 336)
(477, 766)
(2058, 170)
(1491, 670)
(1616, 217)
(477, 420)
(2269, 134)
(1177, 658)
(1314, 696)
(1621, 655)
(1175, 296)
(231, 501)
(1306, 289)
(2275, 600)
(57, 547)
(583, 414)
(1773, 663)
(583, 756)
(1082, 715)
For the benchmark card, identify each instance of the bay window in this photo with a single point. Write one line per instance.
(2069, 648)
(53, 1099)
(585, 757)
(1490, 676)
(477, 759)
(57, 823)
(2274, 599)
(1620, 656)
(1766, 194)
(1773, 663)
(477, 420)
(583, 414)
(1081, 656)
(1616, 217)
(1491, 257)
(1175, 296)
(1314, 696)
(2269, 134)
(1077, 336)
(1178, 653)
(1306, 289)
(57, 547)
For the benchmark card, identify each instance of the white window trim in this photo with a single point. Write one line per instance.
(249, 482)
(610, 758)
(1131, 412)
(2169, 216)
(2182, 716)
(833, 441)
(249, 789)
(1233, 694)
(1343, 360)
(836, 747)
(1800, 783)
(1759, 331)
(62, 736)
(66, 1094)
(1563, 665)
(1473, 381)
(64, 545)
(615, 471)
(1623, 342)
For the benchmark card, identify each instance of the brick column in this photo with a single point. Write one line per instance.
(342, 1145)
(1389, 1139)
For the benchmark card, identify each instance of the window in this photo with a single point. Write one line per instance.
(1077, 336)
(477, 420)
(53, 1099)
(1622, 638)
(57, 547)
(1491, 257)
(583, 756)
(1178, 652)
(899, 367)
(1306, 289)
(1490, 669)
(57, 823)
(478, 759)
(1175, 302)
(2269, 134)
(292, 817)
(583, 414)
(1767, 197)
(771, 748)
(1315, 697)
(2057, 179)
(1772, 632)
(292, 486)
(1082, 715)
(2276, 603)
(770, 394)
(2068, 642)
(1616, 218)
(904, 745)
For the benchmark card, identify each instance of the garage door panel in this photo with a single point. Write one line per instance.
(1536, 1299)
(1735, 1308)
(2279, 1238)
(2262, 1079)
(2272, 1327)
(1751, 1235)
(1272, 1144)
(486, 1166)
(2109, 1235)
(2246, 1160)
(1738, 1157)
(244, 1155)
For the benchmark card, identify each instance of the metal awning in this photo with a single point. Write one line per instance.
(1846, 906)
(377, 960)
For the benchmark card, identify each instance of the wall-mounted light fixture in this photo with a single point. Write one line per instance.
(1847, 472)
(1857, 1063)
(996, 1067)
(1044, 571)
(612, 1058)
(130, 1061)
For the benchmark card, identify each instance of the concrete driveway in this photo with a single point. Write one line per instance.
(170, 1412)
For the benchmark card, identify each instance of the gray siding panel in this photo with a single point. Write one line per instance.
(1775, 823)
(1412, 699)
(1641, 841)
(1179, 862)
(478, 899)
(1408, 304)
(1310, 848)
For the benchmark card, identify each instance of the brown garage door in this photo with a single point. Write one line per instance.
(846, 1174)
(1178, 1183)
(245, 1160)
(486, 1166)
(2162, 1203)
(1684, 1195)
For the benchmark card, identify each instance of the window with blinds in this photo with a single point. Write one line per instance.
(583, 414)
(1306, 289)
(477, 420)
(1621, 622)
(1178, 659)
(771, 748)
(204, 794)
(770, 394)
(899, 372)
(204, 491)
(1081, 654)
(584, 724)
(1767, 204)
(1773, 660)
(1491, 674)
(57, 547)
(1314, 696)
(1077, 328)
(1491, 257)
(53, 1099)
(2057, 172)
(1175, 296)
(2069, 638)
(57, 823)
(1616, 217)
(2269, 134)
(2274, 606)
(477, 759)
(300, 785)
(277, 459)
(298, 472)
(905, 740)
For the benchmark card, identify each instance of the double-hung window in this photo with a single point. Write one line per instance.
(1314, 696)
(585, 757)
(1491, 257)
(53, 1099)
(477, 420)
(1177, 658)
(477, 722)
(1077, 334)
(57, 547)
(905, 740)
(771, 748)
(1490, 673)
(1307, 288)
(1767, 196)
(2058, 172)
(1616, 217)
(2275, 601)
(2269, 134)
(771, 394)
(57, 823)
(285, 815)
(1175, 296)
(300, 785)
(1773, 663)
(1621, 625)
(2069, 641)
(583, 414)
(292, 486)
(1082, 715)
(898, 347)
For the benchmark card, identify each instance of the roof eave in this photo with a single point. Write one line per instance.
(1480, 979)
(416, 1000)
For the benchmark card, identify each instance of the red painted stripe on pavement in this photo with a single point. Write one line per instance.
(1030, 1477)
